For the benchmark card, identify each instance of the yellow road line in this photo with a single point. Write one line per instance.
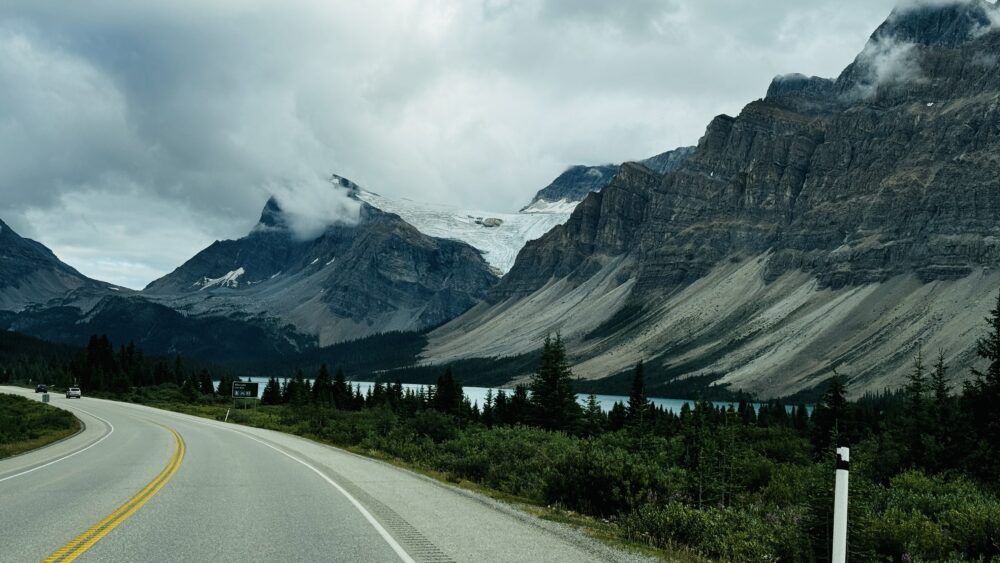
(86, 540)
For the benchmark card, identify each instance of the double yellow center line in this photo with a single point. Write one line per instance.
(86, 540)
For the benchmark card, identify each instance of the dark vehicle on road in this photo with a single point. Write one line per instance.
(41, 388)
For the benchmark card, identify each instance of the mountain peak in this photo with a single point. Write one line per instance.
(940, 23)
(271, 217)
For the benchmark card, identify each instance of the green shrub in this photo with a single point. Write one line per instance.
(604, 478)
(516, 460)
(750, 534)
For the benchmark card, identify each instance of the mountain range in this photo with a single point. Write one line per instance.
(835, 224)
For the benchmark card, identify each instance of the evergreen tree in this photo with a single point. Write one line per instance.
(297, 390)
(272, 392)
(638, 404)
(801, 420)
(944, 420)
(225, 388)
(190, 389)
(916, 411)
(340, 392)
(287, 386)
(617, 416)
(205, 385)
(487, 414)
(980, 400)
(830, 415)
(594, 420)
(553, 401)
(322, 390)
(448, 394)
(520, 404)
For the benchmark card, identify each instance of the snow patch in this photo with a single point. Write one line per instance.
(332, 260)
(314, 261)
(231, 279)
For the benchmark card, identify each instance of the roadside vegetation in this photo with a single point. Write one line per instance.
(742, 483)
(26, 425)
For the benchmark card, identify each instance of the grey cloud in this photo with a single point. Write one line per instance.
(887, 62)
(311, 204)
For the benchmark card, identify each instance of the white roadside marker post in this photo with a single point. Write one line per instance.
(840, 506)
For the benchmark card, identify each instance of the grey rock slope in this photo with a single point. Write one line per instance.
(578, 181)
(834, 223)
(31, 275)
(352, 281)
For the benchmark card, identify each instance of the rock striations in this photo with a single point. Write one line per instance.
(834, 223)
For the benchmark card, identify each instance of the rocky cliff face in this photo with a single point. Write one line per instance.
(31, 275)
(577, 182)
(821, 190)
(378, 275)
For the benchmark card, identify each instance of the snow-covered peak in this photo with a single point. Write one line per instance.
(499, 236)
(231, 279)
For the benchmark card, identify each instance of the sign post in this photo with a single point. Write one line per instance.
(840, 506)
(244, 390)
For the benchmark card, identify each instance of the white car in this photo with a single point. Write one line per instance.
(73, 392)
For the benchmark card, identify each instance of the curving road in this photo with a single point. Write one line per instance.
(142, 484)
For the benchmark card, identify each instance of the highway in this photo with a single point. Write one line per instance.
(142, 484)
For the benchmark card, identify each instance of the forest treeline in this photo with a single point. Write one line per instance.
(741, 482)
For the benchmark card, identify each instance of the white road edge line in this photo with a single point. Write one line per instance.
(403, 555)
(364, 512)
(65, 457)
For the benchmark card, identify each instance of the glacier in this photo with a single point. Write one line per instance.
(498, 244)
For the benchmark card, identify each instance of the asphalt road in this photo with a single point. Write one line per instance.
(127, 489)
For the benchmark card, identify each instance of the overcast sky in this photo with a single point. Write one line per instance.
(133, 134)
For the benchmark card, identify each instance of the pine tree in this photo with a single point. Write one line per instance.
(830, 415)
(205, 385)
(917, 411)
(272, 392)
(322, 391)
(553, 401)
(448, 393)
(519, 405)
(341, 392)
(298, 389)
(942, 447)
(226, 385)
(801, 420)
(488, 413)
(616, 417)
(501, 408)
(981, 397)
(594, 420)
(190, 389)
(638, 404)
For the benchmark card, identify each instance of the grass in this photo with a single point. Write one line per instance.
(26, 425)
(600, 530)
